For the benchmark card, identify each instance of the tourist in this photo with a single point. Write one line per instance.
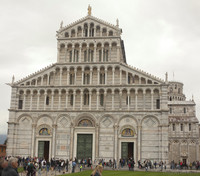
(97, 171)
(11, 169)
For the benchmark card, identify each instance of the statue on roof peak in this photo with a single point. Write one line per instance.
(89, 10)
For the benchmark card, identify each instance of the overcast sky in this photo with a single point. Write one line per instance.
(159, 35)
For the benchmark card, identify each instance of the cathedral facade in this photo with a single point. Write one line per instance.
(92, 104)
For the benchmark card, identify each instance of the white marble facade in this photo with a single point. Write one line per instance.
(91, 82)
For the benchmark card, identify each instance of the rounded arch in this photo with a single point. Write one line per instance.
(124, 127)
(150, 116)
(62, 115)
(42, 116)
(85, 116)
(24, 115)
(106, 115)
(125, 116)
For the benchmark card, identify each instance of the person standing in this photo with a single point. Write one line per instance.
(11, 169)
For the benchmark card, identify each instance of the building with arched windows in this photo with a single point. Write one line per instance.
(92, 104)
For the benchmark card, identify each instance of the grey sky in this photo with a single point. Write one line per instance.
(160, 36)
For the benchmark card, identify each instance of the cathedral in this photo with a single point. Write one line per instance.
(91, 104)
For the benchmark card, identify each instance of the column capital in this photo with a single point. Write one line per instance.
(34, 125)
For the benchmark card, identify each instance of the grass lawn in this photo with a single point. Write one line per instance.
(130, 173)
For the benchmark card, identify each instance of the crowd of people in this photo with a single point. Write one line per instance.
(31, 166)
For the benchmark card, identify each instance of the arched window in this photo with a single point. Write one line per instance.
(173, 127)
(101, 99)
(71, 78)
(170, 110)
(85, 56)
(102, 78)
(105, 55)
(184, 110)
(86, 98)
(70, 56)
(190, 127)
(47, 100)
(181, 127)
(66, 34)
(86, 79)
(110, 33)
(100, 55)
(71, 99)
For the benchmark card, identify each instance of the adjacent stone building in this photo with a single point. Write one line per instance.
(92, 104)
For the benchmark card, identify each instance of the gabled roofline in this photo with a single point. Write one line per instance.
(85, 18)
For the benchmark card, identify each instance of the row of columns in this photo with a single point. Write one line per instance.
(81, 100)
(80, 49)
(74, 73)
(91, 32)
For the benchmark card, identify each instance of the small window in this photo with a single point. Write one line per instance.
(47, 100)
(71, 79)
(86, 99)
(173, 127)
(20, 105)
(184, 110)
(129, 79)
(190, 127)
(101, 99)
(181, 127)
(99, 55)
(71, 99)
(66, 34)
(158, 104)
(170, 110)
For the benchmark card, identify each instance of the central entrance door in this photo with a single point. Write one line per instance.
(84, 146)
(43, 149)
(127, 150)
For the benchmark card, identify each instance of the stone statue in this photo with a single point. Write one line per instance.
(166, 77)
(61, 25)
(117, 21)
(89, 10)
(13, 79)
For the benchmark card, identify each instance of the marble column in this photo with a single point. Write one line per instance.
(80, 54)
(24, 101)
(144, 99)
(75, 72)
(74, 101)
(136, 102)
(95, 54)
(42, 80)
(45, 98)
(91, 76)
(106, 72)
(128, 100)
(113, 100)
(152, 100)
(60, 76)
(82, 76)
(31, 100)
(98, 76)
(120, 99)
(116, 142)
(109, 54)
(54, 129)
(97, 140)
(81, 101)
(139, 142)
(90, 99)
(33, 140)
(73, 53)
(113, 75)
(66, 99)
(120, 76)
(38, 100)
(59, 100)
(97, 100)
(71, 140)
(52, 96)
(105, 97)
